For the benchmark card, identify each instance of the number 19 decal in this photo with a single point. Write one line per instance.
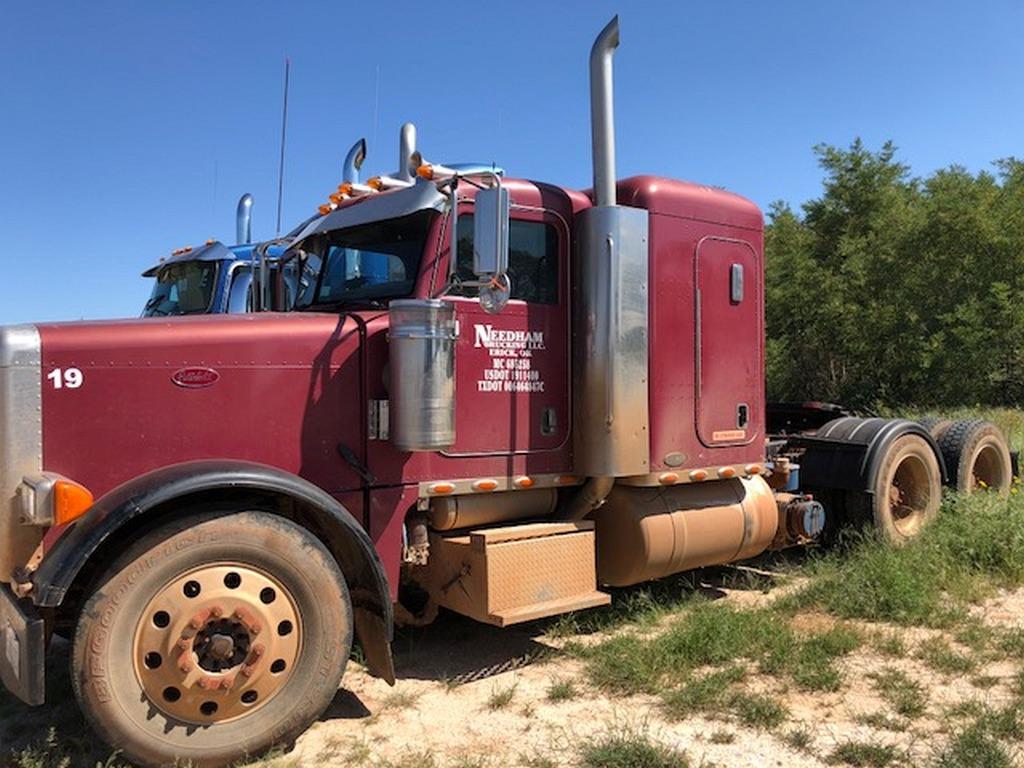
(66, 377)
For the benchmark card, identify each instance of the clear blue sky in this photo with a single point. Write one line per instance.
(128, 129)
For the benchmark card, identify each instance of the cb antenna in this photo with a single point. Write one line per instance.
(284, 127)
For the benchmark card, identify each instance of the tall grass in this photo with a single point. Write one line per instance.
(975, 545)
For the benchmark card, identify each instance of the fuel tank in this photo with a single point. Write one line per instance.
(450, 512)
(648, 533)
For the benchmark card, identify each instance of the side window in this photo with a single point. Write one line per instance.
(532, 260)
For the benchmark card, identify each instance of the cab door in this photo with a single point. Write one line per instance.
(512, 368)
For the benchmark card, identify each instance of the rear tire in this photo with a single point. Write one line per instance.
(935, 425)
(977, 456)
(906, 494)
(211, 639)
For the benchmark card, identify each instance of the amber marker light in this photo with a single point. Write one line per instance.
(727, 472)
(523, 482)
(668, 478)
(485, 485)
(754, 469)
(441, 488)
(324, 209)
(70, 501)
(376, 183)
(345, 188)
(425, 171)
(699, 474)
(566, 480)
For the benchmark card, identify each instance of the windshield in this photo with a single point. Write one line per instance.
(365, 263)
(183, 288)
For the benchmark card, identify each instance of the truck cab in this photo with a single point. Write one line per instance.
(212, 279)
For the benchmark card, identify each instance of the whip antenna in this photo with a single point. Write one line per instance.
(284, 126)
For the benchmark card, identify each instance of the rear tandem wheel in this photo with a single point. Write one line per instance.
(906, 493)
(977, 456)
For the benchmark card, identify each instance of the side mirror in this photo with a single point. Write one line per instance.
(490, 232)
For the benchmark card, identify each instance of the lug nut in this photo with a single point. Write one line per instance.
(216, 611)
(258, 650)
(248, 620)
(185, 663)
(209, 683)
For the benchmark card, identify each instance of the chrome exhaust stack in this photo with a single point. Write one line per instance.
(602, 113)
(406, 150)
(353, 162)
(243, 220)
(611, 371)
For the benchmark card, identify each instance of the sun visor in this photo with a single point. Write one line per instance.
(213, 251)
(422, 195)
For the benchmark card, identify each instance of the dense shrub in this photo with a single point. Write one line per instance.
(898, 290)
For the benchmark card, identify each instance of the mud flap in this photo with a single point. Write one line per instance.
(22, 649)
(372, 632)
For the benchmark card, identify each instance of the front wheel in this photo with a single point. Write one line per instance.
(212, 639)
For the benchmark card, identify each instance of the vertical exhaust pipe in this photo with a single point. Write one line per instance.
(406, 148)
(602, 113)
(610, 398)
(353, 162)
(243, 220)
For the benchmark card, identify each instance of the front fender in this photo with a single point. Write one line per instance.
(118, 515)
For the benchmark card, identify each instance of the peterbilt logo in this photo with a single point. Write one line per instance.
(195, 378)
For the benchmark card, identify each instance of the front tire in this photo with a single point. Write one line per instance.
(212, 638)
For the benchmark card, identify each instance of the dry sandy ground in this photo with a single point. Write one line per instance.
(458, 724)
(454, 674)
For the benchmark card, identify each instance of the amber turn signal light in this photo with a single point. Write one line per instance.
(70, 501)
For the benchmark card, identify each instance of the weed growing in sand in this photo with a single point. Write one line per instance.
(906, 696)
(501, 697)
(759, 711)
(561, 690)
(938, 655)
(627, 748)
(799, 739)
(863, 754)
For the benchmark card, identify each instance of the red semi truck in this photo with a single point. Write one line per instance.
(496, 397)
